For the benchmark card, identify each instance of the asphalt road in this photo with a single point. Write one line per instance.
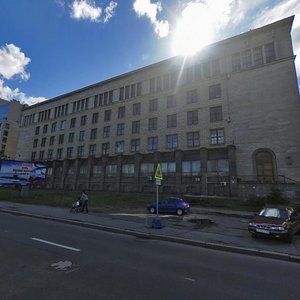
(46, 260)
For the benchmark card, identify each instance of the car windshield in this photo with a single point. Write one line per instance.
(274, 213)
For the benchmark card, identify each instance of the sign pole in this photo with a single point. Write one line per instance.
(157, 200)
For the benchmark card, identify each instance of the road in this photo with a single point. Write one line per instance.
(46, 260)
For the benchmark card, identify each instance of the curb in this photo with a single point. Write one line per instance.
(214, 246)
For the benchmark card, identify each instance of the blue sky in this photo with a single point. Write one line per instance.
(52, 47)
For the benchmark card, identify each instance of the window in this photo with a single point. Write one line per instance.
(189, 74)
(198, 72)
(69, 152)
(93, 135)
(41, 156)
(37, 130)
(193, 139)
(50, 154)
(192, 117)
(192, 96)
(136, 109)
(97, 169)
(270, 52)
(133, 90)
(120, 129)
(158, 84)
(217, 136)
(152, 143)
(121, 94)
(139, 89)
(258, 56)
(35, 143)
(215, 91)
(135, 145)
(95, 118)
(59, 153)
(105, 148)
(45, 128)
(80, 151)
(171, 121)
(191, 168)
(119, 146)
(107, 115)
(63, 124)
(246, 59)
(152, 125)
(135, 126)
(72, 122)
(82, 170)
(216, 113)
(71, 137)
(121, 112)
(153, 105)
(147, 169)
(51, 141)
(81, 135)
(92, 150)
(206, 69)
(171, 101)
(111, 170)
(53, 127)
(110, 96)
(168, 168)
(166, 81)
(236, 62)
(152, 85)
(106, 131)
(33, 155)
(172, 141)
(218, 166)
(83, 120)
(264, 166)
(61, 139)
(215, 67)
(127, 89)
(128, 170)
(43, 143)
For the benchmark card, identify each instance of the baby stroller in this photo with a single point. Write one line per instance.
(76, 206)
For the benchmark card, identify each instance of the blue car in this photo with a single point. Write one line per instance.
(170, 205)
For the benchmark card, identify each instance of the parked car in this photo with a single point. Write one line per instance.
(170, 205)
(278, 222)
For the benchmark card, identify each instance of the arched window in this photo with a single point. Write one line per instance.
(265, 166)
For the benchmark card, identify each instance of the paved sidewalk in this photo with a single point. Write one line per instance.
(211, 228)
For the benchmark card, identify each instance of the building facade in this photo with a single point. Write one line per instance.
(10, 118)
(223, 122)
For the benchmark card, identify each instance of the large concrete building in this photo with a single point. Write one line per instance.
(10, 117)
(223, 122)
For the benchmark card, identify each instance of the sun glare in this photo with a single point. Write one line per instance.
(193, 31)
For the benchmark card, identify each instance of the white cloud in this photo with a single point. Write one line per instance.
(85, 9)
(150, 10)
(109, 11)
(13, 62)
(8, 94)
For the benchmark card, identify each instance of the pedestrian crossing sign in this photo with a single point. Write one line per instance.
(158, 173)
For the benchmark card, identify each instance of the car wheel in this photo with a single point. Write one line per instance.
(179, 212)
(152, 210)
(289, 238)
(254, 235)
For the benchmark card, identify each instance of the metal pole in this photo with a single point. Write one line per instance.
(157, 200)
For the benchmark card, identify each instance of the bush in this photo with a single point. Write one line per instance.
(276, 197)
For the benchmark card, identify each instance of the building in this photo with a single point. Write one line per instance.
(10, 117)
(224, 122)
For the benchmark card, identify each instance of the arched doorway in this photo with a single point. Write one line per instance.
(265, 167)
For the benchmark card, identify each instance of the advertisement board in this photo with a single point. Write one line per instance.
(13, 172)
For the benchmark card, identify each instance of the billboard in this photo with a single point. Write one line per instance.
(13, 172)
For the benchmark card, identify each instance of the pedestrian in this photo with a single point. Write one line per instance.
(84, 200)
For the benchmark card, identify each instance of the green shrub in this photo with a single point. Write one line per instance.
(275, 197)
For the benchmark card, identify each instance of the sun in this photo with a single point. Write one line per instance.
(194, 30)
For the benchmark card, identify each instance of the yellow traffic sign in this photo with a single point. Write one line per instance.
(158, 173)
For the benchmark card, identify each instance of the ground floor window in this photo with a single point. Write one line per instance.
(264, 166)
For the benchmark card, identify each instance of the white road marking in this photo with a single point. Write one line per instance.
(190, 279)
(54, 244)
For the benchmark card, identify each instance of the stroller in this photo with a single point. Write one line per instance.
(76, 206)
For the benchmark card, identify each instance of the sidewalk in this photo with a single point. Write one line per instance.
(210, 228)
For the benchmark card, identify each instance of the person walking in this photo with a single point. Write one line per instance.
(84, 200)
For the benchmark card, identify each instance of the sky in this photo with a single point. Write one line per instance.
(52, 47)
